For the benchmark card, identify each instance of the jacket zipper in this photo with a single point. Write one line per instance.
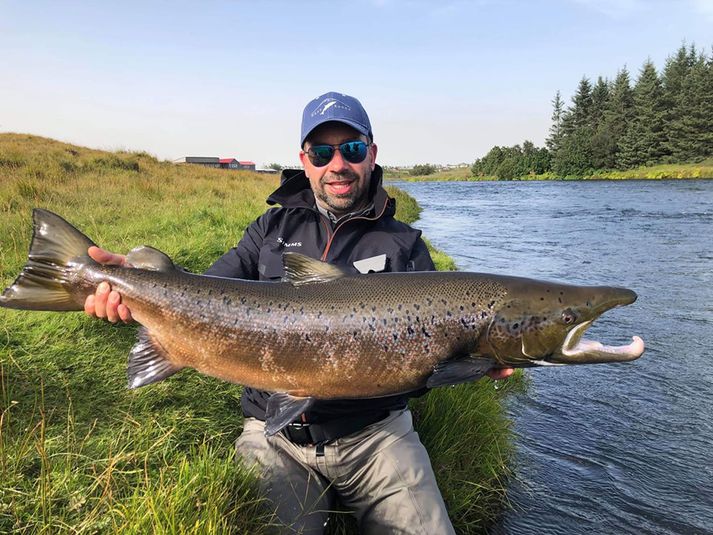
(330, 235)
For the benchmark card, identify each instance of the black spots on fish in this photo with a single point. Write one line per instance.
(473, 304)
(425, 332)
(384, 321)
(449, 313)
(444, 301)
(589, 304)
(491, 304)
(362, 306)
(417, 306)
(319, 314)
(461, 308)
(286, 318)
(371, 327)
(429, 301)
(307, 338)
(559, 299)
(373, 308)
(227, 301)
(400, 307)
(302, 310)
(483, 315)
(355, 334)
(426, 348)
(390, 310)
(410, 330)
(396, 336)
(268, 310)
(243, 300)
(467, 293)
(235, 322)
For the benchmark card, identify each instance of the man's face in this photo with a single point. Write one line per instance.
(340, 186)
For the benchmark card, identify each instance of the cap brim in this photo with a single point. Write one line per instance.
(356, 126)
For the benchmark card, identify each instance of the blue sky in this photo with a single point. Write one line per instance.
(442, 81)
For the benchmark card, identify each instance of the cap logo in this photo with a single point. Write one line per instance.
(328, 103)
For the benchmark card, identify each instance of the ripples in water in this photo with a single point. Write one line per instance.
(608, 448)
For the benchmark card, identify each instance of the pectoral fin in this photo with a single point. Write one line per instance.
(463, 370)
(282, 408)
(148, 361)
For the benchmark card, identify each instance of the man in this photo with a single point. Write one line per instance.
(364, 452)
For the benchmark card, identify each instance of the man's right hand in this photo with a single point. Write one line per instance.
(105, 303)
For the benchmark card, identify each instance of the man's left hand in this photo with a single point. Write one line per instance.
(499, 373)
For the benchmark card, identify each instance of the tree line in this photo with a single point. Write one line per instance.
(664, 117)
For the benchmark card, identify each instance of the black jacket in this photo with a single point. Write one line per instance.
(298, 226)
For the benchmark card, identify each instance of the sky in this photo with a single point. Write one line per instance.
(442, 82)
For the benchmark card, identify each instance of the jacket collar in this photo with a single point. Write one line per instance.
(295, 192)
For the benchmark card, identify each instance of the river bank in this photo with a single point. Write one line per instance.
(701, 170)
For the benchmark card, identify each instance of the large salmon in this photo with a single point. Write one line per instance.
(321, 333)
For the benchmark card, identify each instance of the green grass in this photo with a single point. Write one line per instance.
(79, 453)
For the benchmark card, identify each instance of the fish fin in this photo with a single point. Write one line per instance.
(283, 408)
(148, 361)
(57, 249)
(463, 370)
(301, 269)
(146, 257)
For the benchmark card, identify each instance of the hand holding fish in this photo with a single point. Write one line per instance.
(106, 303)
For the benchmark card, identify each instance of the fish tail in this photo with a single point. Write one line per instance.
(57, 250)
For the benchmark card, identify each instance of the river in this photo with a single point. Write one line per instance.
(610, 448)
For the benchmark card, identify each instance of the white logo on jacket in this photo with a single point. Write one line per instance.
(282, 242)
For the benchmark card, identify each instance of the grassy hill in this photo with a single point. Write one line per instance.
(79, 453)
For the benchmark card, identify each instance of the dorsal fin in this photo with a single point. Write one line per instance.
(301, 269)
(146, 257)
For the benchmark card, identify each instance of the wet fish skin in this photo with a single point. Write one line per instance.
(322, 334)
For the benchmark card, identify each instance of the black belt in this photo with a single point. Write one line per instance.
(304, 434)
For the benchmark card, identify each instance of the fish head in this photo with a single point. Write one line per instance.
(543, 324)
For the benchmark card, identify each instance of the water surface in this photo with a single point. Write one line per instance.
(610, 448)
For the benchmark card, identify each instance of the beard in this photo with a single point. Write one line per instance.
(347, 202)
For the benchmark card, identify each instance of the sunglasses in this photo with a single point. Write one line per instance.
(352, 151)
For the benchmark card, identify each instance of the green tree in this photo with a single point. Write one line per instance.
(555, 138)
(574, 156)
(423, 169)
(644, 141)
(690, 132)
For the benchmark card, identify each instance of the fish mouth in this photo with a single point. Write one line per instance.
(578, 350)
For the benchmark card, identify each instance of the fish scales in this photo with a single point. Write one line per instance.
(308, 339)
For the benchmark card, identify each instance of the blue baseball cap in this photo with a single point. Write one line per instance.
(338, 107)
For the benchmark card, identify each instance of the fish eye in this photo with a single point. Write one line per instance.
(569, 317)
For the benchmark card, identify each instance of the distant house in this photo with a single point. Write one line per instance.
(208, 161)
(229, 163)
(222, 163)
